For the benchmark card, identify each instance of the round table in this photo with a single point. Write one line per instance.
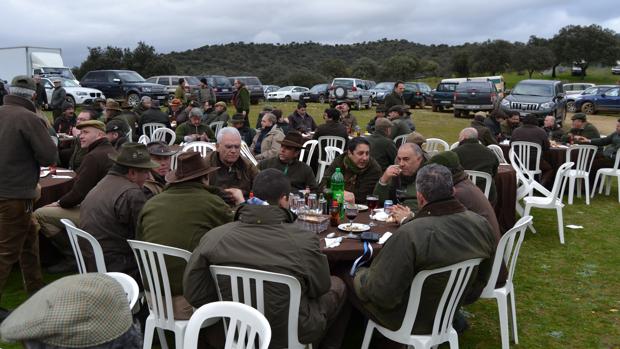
(53, 187)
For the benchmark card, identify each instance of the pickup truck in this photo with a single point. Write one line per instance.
(474, 96)
(443, 95)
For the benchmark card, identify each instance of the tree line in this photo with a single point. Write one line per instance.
(309, 63)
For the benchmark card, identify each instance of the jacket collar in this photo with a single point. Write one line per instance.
(469, 141)
(440, 208)
(20, 101)
(96, 143)
(265, 215)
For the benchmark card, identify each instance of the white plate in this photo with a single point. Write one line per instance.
(355, 227)
(43, 174)
(362, 207)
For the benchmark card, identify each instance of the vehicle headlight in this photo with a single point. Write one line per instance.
(380, 93)
(146, 89)
(547, 105)
(505, 103)
(81, 93)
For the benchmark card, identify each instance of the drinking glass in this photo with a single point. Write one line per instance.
(313, 204)
(372, 202)
(350, 210)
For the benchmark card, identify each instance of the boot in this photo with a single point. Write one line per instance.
(67, 264)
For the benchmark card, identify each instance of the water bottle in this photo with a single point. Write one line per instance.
(323, 205)
(337, 187)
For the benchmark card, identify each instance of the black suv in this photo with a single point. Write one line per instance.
(474, 96)
(222, 86)
(253, 85)
(538, 97)
(417, 94)
(124, 85)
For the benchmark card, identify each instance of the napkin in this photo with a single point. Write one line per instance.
(572, 226)
(380, 216)
(62, 177)
(384, 237)
(332, 242)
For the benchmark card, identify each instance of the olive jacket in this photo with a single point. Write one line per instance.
(475, 156)
(361, 184)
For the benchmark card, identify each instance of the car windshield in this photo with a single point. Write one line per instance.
(318, 88)
(130, 76)
(470, 86)
(62, 72)
(446, 87)
(594, 90)
(286, 88)
(533, 90)
(69, 83)
(384, 86)
(192, 80)
(250, 81)
(343, 82)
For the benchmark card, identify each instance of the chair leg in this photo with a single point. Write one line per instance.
(368, 334)
(560, 224)
(149, 330)
(454, 341)
(179, 336)
(608, 185)
(618, 189)
(579, 181)
(162, 338)
(571, 189)
(502, 309)
(513, 306)
(586, 182)
(596, 178)
(526, 212)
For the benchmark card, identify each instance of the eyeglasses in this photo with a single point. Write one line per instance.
(232, 146)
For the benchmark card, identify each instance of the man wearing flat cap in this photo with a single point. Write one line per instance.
(59, 96)
(94, 167)
(218, 114)
(379, 114)
(581, 128)
(110, 210)
(187, 206)
(161, 153)
(193, 129)
(401, 121)
(116, 131)
(287, 161)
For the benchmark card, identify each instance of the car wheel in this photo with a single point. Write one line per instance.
(287, 98)
(422, 104)
(321, 99)
(457, 113)
(434, 108)
(570, 106)
(358, 104)
(133, 99)
(71, 100)
(369, 104)
(587, 108)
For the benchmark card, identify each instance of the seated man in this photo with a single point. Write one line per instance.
(379, 114)
(153, 115)
(346, 118)
(218, 114)
(145, 104)
(161, 153)
(359, 169)
(73, 155)
(484, 134)
(265, 237)
(233, 170)
(266, 142)
(494, 121)
(287, 161)
(606, 158)
(382, 148)
(442, 233)
(110, 210)
(510, 124)
(553, 130)
(332, 125)
(116, 131)
(94, 167)
(196, 210)
(66, 121)
(400, 178)
(475, 156)
(582, 128)
(246, 133)
(300, 120)
(193, 130)
(530, 132)
(399, 119)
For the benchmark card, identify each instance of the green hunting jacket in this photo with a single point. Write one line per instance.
(382, 149)
(393, 99)
(388, 191)
(361, 184)
(475, 156)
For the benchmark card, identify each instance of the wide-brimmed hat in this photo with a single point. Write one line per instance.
(112, 105)
(134, 155)
(190, 165)
(220, 104)
(160, 148)
(23, 81)
(237, 118)
(91, 123)
(293, 139)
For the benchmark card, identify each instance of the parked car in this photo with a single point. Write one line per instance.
(443, 95)
(538, 97)
(417, 94)
(573, 88)
(124, 85)
(253, 85)
(570, 98)
(474, 96)
(350, 90)
(76, 94)
(615, 70)
(318, 93)
(222, 86)
(607, 100)
(172, 81)
(381, 90)
(267, 89)
(287, 93)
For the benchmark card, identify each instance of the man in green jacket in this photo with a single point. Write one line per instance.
(401, 121)
(287, 161)
(382, 148)
(484, 134)
(396, 97)
(193, 130)
(264, 236)
(241, 100)
(442, 233)
(582, 128)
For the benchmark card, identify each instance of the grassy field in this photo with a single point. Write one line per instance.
(568, 296)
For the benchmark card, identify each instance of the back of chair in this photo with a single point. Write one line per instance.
(144, 139)
(558, 185)
(130, 135)
(617, 161)
(523, 150)
(459, 274)
(475, 176)
(129, 285)
(74, 237)
(154, 273)
(400, 140)
(330, 155)
(330, 141)
(497, 150)
(454, 145)
(203, 148)
(585, 157)
(244, 324)
(216, 126)
(257, 278)
(508, 253)
(149, 127)
(435, 145)
(247, 153)
(307, 151)
(160, 135)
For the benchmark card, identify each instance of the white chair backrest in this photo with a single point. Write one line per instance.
(144, 139)
(330, 155)
(132, 291)
(399, 140)
(247, 153)
(75, 234)
(585, 157)
(154, 273)
(130, 135)
(160, 135)
(459, 274)
(244, 325)
(523, 151)
(203, 148)
(435, 145)
(560, 180)
(508, 253)
(247, 277)
(173, 160)
(454, 145)
(330, 141)
(617, 161)
(475, 176)
(216, 126)
(307, 151)
(149, 127)
(499, 153)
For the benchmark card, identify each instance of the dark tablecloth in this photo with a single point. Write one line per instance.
(506, 184)
(53, 189)
(554, 156)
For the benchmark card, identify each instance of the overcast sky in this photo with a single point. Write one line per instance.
(174, 25)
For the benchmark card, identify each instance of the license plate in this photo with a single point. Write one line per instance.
(224, 90)
(473, 107)
(445, 102)
(161, 97)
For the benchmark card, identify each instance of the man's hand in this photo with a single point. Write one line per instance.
(400, 212)
(349, 197)
(236, 194)
(390, 172)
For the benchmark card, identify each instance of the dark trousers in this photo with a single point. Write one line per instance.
(19, 243)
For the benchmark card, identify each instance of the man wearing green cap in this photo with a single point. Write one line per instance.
(110, 210)
(581, 128)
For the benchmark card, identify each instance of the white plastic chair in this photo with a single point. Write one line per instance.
(474, 176)
(243, 327)
(400, 140)
(330, 155)
(448, 305)
(247, 153)
(454, 145)
(507, 253)
(216, 126)
(432, 146)
(552, 200)
(258, 279)
(160, 135)
(330, 141)
(497, 150)
(307, 151)
(129, 135)
(605, 175)
(129, 285)
(203, 148)
(150, 127)
(75, 234)
(581, 172)
(154, 273)
(144, 139)
(523, 151)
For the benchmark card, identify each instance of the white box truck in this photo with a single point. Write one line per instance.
(28, 60)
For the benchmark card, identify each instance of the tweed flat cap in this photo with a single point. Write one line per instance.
(76, 311)
(91, 123)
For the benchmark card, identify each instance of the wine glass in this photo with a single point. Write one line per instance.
(350, 210)
(371, 202)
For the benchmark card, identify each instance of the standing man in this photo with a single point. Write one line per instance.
(396, 97)
(41, 102)
(179, 93)
(22, 131)
(205, 94)
(241, 101)
(287, 161)
(58, 98)
(300, 120)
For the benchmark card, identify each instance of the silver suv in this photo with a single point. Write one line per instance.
(353, 91)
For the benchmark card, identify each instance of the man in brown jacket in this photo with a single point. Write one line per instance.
(94, 167)
(265, 237)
